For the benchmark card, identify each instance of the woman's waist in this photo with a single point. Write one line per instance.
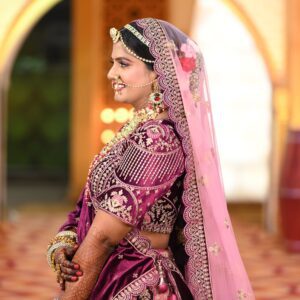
(145, 241)
(157, 240)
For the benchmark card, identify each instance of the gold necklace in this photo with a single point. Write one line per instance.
(139, 116)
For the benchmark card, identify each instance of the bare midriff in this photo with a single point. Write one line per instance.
(158, 240)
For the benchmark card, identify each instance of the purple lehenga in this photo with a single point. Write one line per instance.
(165, 177)
(140, 182)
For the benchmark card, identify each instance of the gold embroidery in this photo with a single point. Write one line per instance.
(116, 203)
(241, 295)
(146, 295)
(161, 216)
(202, 180)
(207, 157)
(171, 45)
(137, 286)
(195, 79)
(215, 249)
(162, 157)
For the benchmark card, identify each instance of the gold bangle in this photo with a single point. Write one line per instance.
(51, 252)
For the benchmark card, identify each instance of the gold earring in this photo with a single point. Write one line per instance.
(156, 98)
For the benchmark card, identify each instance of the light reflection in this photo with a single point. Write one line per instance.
(121, 115)
(107, 115)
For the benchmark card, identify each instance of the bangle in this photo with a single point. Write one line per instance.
(64, 236)
(62, 239)
(51, 250)
(68, 233)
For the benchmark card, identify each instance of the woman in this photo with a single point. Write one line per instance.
(152, 221)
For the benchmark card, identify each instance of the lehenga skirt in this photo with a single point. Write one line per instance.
(135, 271)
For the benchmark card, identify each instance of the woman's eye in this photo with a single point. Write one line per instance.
(123, 65)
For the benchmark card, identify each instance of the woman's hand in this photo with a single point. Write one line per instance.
(69, 271)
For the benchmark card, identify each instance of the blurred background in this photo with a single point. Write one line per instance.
(57, 111)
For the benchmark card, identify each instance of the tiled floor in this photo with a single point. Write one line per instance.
(24, 273)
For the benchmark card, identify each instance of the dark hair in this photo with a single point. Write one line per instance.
(133, 43)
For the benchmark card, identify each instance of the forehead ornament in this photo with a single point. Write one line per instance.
(116, 36)
(137, 34)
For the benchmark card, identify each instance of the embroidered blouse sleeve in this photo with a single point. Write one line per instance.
(151, 163)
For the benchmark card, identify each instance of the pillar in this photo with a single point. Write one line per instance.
(290, 170)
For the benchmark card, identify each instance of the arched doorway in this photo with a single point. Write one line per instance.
(20, 18)
(38, 112)
(242, 100)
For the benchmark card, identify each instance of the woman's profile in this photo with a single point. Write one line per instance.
(152, 219)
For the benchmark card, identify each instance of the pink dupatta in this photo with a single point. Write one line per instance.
(213, 268)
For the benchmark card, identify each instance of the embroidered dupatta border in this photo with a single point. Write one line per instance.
(197, 269)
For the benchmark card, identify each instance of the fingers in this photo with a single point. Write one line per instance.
(70, 265)
(70, 251)
(64, 256)
(62, 285)
(59, 278)
(59, 256)
(69, 277)
(69, 271)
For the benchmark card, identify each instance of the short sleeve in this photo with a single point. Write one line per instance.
(149, 166)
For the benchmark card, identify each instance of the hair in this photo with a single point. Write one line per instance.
(136, 45)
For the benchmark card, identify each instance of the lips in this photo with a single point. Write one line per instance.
(118, 86)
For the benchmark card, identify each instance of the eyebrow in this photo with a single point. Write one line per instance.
(121, 58)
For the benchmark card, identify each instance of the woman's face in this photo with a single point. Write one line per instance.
(127, 69)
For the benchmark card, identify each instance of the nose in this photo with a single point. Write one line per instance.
(112, 73)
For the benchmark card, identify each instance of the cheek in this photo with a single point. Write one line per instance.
(135, 76)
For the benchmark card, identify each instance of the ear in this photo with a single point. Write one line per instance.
(152, 75)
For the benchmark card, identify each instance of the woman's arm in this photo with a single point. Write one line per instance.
(64, 254)
(106, 231)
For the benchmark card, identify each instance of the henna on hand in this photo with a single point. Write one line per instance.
(69, 271)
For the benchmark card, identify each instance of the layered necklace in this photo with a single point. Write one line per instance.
(139, 116)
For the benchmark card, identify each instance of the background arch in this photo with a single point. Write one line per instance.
(23, 16)
(241, 90)
(240, 12)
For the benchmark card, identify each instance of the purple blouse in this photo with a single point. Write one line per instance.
(139, 181)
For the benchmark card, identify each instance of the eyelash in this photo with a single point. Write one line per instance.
(122, 64)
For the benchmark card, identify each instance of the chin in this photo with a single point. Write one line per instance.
(120, 98)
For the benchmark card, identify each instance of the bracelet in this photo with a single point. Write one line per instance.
(50, 252)
(62, 239)
(64, 236)
(68, 233)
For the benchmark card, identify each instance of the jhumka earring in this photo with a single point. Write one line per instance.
(156, 99)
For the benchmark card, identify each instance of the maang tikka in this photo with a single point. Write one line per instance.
(156, 98)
